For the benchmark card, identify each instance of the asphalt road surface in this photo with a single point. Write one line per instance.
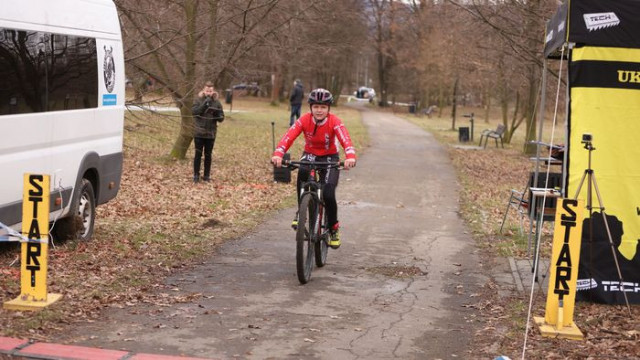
(396, 289)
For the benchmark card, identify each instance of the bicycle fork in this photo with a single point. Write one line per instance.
(319, 223)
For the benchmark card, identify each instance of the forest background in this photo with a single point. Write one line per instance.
(424, 53)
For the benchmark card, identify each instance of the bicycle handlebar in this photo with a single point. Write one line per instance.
(313, 164)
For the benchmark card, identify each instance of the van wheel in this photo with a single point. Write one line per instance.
(79, 224)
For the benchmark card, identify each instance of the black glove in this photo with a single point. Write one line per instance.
(207, 101)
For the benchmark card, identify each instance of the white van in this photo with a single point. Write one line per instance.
(62, 93)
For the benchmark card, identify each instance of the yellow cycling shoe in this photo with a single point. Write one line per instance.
(294, 223)
(334, 239)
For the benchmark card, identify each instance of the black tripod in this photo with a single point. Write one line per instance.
(589, 175)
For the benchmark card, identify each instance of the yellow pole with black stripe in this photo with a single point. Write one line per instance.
(34, 255)
(563, 277)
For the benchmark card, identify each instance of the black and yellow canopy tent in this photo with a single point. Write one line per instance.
(601, 42)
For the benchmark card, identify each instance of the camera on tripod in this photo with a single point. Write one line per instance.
(587, 141)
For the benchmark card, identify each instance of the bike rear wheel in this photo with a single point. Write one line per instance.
(321, 246)
(304, 238)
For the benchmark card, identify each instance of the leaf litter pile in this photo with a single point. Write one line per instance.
(161, 222)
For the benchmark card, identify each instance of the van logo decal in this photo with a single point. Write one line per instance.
(109, 69)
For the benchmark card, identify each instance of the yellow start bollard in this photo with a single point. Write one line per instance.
(565, 256)
(33, 267)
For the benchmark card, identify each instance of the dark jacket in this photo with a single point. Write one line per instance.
(207, 113)
(296, 95)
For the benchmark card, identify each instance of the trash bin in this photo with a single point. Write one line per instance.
(412, 108)
(228, 96)
(463, 134)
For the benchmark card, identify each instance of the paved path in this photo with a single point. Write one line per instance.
(395, 289)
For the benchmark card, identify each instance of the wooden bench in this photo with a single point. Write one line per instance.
(428, 111)
(493, 134)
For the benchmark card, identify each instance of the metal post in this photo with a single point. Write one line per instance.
(273, 134)
(471, 120)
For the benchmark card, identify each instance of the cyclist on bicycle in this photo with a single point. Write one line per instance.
(320, 128)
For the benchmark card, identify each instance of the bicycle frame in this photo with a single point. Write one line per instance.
(314, 187)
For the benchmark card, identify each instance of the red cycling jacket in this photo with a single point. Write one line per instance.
(320, 138)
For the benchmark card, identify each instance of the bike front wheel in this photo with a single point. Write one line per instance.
(304, 238)
(321, 246)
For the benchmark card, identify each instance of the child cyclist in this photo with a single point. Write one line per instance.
(320, 129)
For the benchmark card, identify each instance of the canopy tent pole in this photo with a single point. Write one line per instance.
(543, 97)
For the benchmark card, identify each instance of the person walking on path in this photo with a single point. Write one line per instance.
(295, 101)
(320, 129)
(207, 112)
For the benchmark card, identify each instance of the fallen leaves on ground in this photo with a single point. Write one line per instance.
(487, 177)
(159, 223)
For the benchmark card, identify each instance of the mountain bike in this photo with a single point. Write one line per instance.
(312, 232)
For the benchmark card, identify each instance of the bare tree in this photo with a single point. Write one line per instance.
(161, 39)
(517, 29)
(382, 16)
(181, 43)
(333, 37)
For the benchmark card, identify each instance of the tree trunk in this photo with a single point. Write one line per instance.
(382, 78)
(276, 84)
(185, 136)
(182, 143)
(334, 87)
(504, 107)
(487, 104)
(442, 101)
(534, 77)
(454, 105)
(211, 46)
(530, 112)
(514, 120)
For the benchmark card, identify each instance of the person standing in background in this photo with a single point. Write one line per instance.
(207, 112)
(295, 101)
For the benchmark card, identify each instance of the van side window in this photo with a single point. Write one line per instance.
(46, 72)
(73, 75)
(22, 72)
